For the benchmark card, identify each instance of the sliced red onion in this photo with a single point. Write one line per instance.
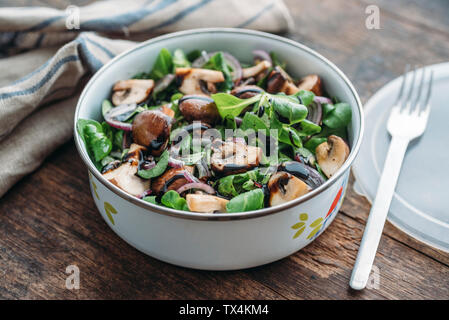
(175, 163)
(121, 112)
(315, 112)
(262, 55)
(189, 177)
(196, 185)
(119, 125)
(147, 165)
(238, 121)
(144, 194)
(257, 184)
(319, 99)
(232, 61)
(163, 83)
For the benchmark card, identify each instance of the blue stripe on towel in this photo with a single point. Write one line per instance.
(92, 61)
(43, 81)
(100, 46)
(115, 23)
(29, 75)
(179, 15)
(43, 24)
(256, 16)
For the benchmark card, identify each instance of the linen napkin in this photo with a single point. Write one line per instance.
(49, 54)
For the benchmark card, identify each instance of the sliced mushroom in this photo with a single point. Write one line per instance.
(135, 153)
(199, 108)
(191, 80)
(151, 128)
(331, 155)
(131, 91)
(124, 176)
(255, 70)
(285, 187)
(234, 156)
(304, 172)
(280, 81)
(205, 203)
(172, 179)
(246, 91)
(312, 82)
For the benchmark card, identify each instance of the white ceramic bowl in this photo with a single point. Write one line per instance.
(219, 241)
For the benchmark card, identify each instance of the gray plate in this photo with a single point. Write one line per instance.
(420, 206)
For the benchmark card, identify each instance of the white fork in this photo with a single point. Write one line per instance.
(407, 121)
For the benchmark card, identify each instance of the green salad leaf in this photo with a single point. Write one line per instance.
(287, 110)
(252, 121)
(231, 106)
(305, 96)
(180, 59)
(217, 62)
(158, 169)
(118, 139)
(248, 201)
(162, 66)
(172, 199)
(150, 199)
(308, 128)
(233, 185)
(96, 141)
(337, 116)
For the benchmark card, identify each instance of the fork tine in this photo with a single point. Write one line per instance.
(416, 106)
(407, 102)
(426, 105)
(404, 77)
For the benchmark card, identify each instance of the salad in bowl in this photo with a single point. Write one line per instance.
(203, 132)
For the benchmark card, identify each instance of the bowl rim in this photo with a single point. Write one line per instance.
(219, 216)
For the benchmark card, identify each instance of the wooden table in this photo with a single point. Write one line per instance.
(48, 221)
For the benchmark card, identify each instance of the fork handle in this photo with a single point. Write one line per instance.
(378, 213)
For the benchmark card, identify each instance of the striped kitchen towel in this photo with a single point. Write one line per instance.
(48, 54)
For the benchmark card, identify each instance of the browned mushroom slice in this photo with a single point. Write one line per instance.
(285, 187)
(312, 82)
(199, 108)
(246, 91)
(331, 155)
(205, 203)
(124, 176)
(255, 70)
(172, 179)
(234, 156)
(192, 80)
(280, 81)
(151, 128)
(131, 91)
